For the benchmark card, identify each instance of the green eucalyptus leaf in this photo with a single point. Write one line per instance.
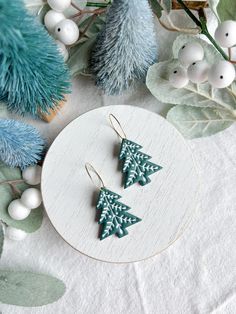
(211, 55)
(79, 60)
(80, 54)
(95, 25)
(29, 289)
(167, 5)
(1, 238)
(195, 122)
(201, 95)
(156, 8)
(226, 10)
(213, 6)
(34, 220)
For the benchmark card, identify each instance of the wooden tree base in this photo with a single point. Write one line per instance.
(53, 112)
(192, 5)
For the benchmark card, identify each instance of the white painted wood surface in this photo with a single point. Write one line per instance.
(166, 205)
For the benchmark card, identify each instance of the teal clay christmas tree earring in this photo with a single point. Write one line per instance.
(136, 166)
(114, 216)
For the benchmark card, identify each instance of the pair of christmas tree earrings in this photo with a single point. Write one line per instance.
(136, 168)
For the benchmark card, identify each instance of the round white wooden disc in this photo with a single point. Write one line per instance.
(165, 205)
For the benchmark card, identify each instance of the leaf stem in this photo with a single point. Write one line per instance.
(201, 23)
(231, 92)
(97, 4)
(81, 12)
(190, 14)
(75, 7)
(12, 181)
(212, 40)
(16, 192)
(82, 34)
(173, 28)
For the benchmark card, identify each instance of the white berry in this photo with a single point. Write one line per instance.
(59, 5)
(62, 50)
(190, 52)
(17, 210)
(198, 71)
(67, 32)
(178, 78)
(32, 175)
(15, 234)
(221, 74)
(225, 34)
(31, 198)
(52, 18)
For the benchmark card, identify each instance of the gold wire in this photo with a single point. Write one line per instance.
(89, 168)
(119, 131)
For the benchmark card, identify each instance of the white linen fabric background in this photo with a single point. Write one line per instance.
(197, 274)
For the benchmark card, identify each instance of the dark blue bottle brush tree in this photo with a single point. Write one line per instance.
(33, 75)
(126, 47)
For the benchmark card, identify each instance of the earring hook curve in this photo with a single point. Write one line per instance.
(89, 168)
(117, 128)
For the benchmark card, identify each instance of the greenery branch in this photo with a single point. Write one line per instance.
(101, 8)
(202, 24)
(82, 12)
(13, 185)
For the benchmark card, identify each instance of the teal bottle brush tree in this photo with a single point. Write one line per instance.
(33, 76)
(125, 48)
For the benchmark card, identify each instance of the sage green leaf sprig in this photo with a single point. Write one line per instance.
(226, 10)
(29, 289)
(23, 288)
(200, 110)
(78, 61)
(159, 6)
(11, 186)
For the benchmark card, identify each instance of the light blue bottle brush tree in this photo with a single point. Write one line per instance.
(33, 75)
(21, 145)
(126, 47)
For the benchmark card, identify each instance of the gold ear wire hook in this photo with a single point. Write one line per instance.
(89, 168)
(117, 128)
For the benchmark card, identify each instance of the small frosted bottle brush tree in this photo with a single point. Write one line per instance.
(33, 76)
(126, 47)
